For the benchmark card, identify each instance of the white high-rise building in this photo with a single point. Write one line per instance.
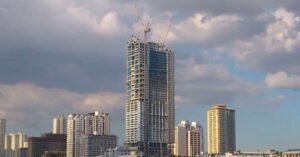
(15, 141)
(59, 125)
(75, 129)
(7, 144)
(180, 146)
(79, 125)
(150, 106)
(2, 136)
(188, 139)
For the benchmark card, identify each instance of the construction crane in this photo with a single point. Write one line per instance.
(163, 42)
(146, 27)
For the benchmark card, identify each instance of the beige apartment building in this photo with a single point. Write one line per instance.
(221, 129)
(188, 139)
(59, 125)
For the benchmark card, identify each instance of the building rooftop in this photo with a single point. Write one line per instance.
(220, 106)
(292, 151)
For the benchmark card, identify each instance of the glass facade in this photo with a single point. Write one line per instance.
(158, 96)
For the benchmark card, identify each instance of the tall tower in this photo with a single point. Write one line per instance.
(221, 129)
(59, 125)
(2, 136)
(150, 107)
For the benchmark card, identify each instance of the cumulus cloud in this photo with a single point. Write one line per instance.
(205, 84)
(282, 80)
(275, 48)
(23, 101)
(103, 19)
(245, 8)
(108, 25)
(200, 28)
(101, 100)
(79, 43)
(190, 70)
(282, 35)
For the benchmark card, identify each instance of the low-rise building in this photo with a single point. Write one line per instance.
(95, 145)
(37, 146)
(291, 153)
(54, 154)
(269, 153)
(123, 151)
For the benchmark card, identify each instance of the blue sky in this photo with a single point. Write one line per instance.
(69, 56)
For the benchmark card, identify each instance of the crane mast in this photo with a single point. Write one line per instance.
(163, 43)
(146, 27)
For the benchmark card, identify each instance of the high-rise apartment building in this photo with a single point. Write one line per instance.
(221, 129)
(188, 139)
(150, 107)
(79, 125)
(195, 140)
(15, 143)
(180, 145)
(59, 125)
(2, 136)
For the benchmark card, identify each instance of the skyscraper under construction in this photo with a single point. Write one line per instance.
(150, 106)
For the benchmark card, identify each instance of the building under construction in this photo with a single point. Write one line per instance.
(150, 107)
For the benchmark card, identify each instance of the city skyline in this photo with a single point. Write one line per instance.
(60, 57)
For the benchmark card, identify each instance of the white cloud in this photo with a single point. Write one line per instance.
(190, 70)
(23, 101)
(105, 22)
(102, 100)
(282, 36)
(209, 83)
(282, 80)
(108, 24)
(201, 28)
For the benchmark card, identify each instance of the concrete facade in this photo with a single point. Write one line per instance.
(221, 129)
(150, 106)
(79, 125)
(2, 136)
(188, 139)
(96, 145)
(59, 125)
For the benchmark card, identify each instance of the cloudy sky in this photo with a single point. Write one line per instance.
(66, 56)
